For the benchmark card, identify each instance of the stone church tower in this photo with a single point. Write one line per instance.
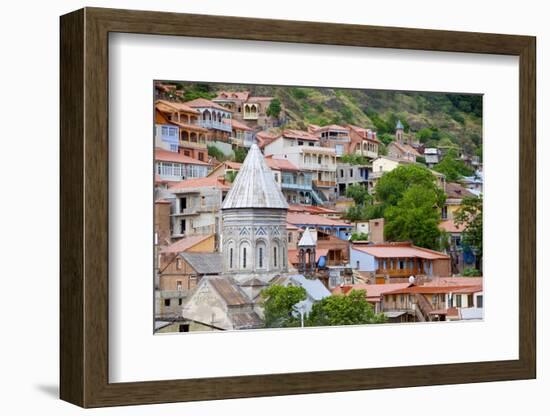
(399, 132)
(254, 239)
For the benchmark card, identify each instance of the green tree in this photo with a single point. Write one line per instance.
(274, 108)
(359, 237)
(349, 309)
(452, 167)
(240, 154)
(470, 213)
(471, 272)
(231, 175)
(216, 153)
(364, 207)
(414, 218)
(392, 185)
(279, 305)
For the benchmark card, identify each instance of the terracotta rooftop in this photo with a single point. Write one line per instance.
(263, 138)
(195, 127)
(432, 290)
(239, 126)
(169, 107)
(406, 148)
(312, 219)
(299, 134)
(204, 103)
(456, 191)
(209, 181)
(258, 99)
(373, 291)
(403, 250)
(236, 95)
(184, 244)
(313, 209)
(167, 156)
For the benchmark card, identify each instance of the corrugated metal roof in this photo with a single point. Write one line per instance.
(314, 287)
(204, 263)
(246, 320)
(229, 292)
(254, 186)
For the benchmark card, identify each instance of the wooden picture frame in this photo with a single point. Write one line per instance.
(84, 207)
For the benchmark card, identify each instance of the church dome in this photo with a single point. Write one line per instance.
(255, 186)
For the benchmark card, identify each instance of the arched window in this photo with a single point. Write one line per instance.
(244, 257)
(275, 256)
(260, 252)
(231, 258)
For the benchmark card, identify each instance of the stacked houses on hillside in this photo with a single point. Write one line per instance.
(225, 230)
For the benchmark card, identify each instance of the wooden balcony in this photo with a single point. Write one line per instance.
(324, 184)
(194, 145)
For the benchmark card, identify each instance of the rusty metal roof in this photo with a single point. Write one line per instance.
(229, 292)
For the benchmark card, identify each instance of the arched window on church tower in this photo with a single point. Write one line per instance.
(244, 257)
(260, 253)
(275, 256)
(231, 258)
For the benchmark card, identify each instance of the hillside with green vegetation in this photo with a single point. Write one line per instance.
(437, 119)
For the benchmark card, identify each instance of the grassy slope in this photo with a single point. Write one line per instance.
(366, 108)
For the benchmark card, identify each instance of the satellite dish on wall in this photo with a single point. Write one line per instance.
(412, 279)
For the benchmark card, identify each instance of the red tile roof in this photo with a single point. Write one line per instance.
(209, 181)
(403, 250)
(167, 156)
(312, 219)
(313, 209)
(239, 126)
(263, 138)
(374, 291)
(432, 290)
(184, 244)
(299, 134)
(456, 191)
(455, 281)
(281, 164)
(169, 107)
(204, 103)
(236, 95)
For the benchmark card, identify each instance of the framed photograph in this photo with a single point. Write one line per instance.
(256, 207)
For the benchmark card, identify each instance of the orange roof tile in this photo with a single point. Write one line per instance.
(299, 134)
(433, 290)
(456, 191)
(312, 219)
(403, 250)
(167, 156)
(209, 181)
(203, 102)
(374, 291)
(184, 244)
(237, 95)
(170, 106)
(239, 126)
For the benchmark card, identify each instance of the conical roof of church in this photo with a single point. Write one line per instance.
(307, 239)
(255, 186)
(399, 125)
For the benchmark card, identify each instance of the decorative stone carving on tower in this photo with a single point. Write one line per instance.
(254, 243)
(399, 132)
(307, 255)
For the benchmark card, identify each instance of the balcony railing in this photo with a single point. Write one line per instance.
(297, 186)
(324, 184)
(195, 145)
(250, 116)
(400, 272)
(211, 124)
